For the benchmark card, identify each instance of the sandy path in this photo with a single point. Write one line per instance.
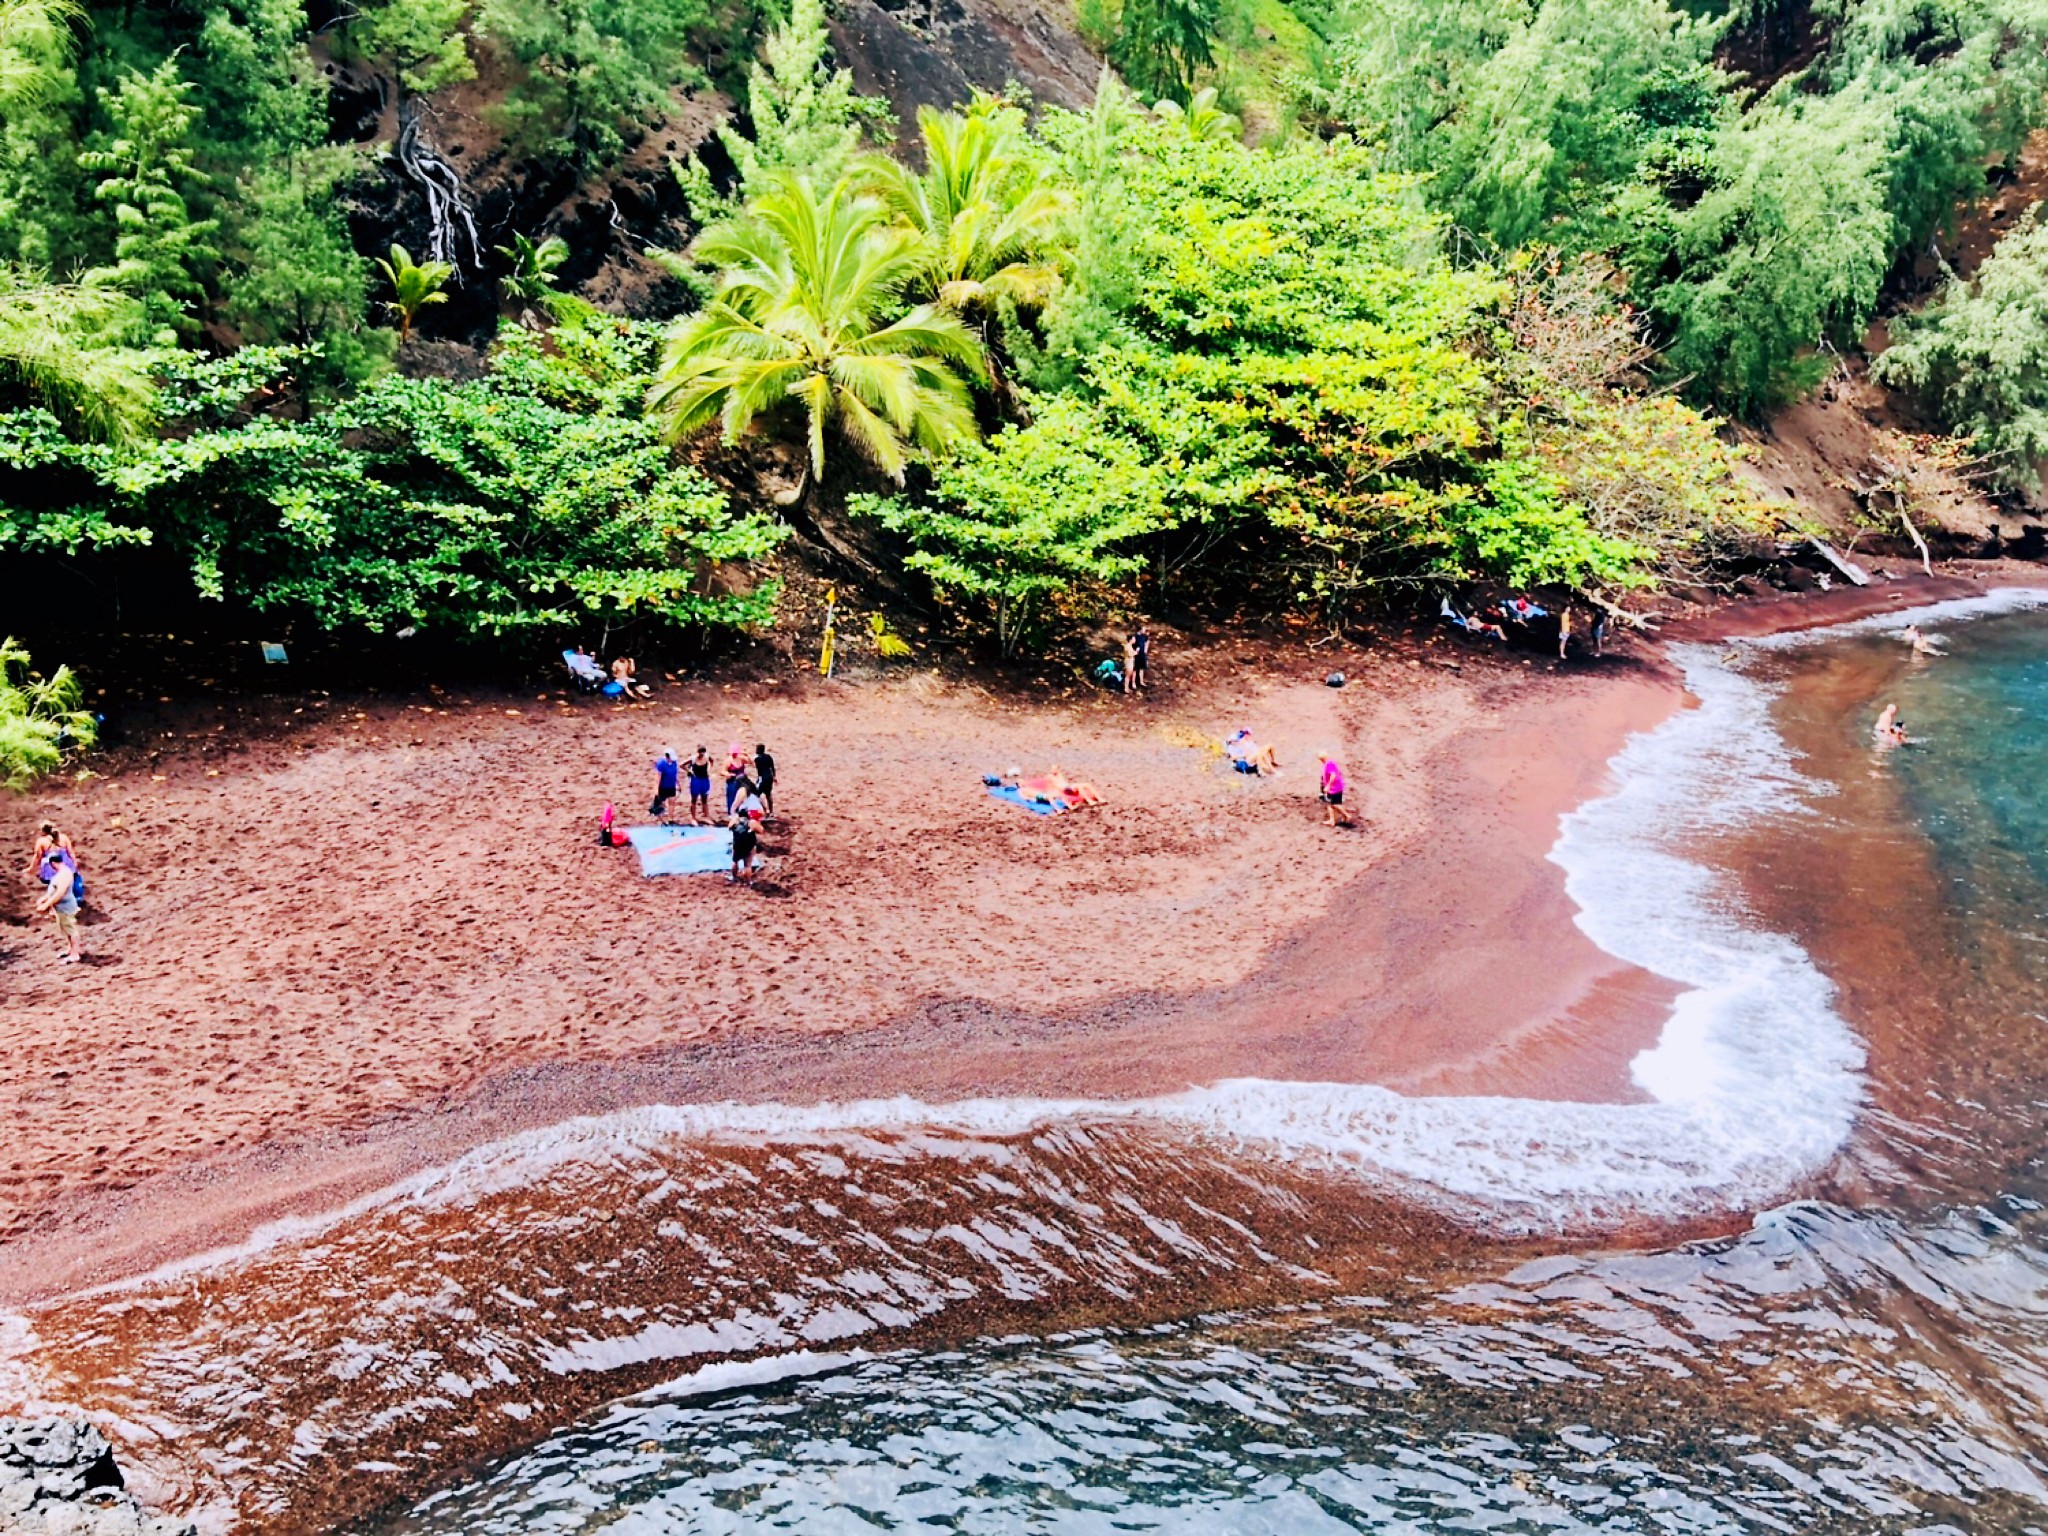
(395, 903)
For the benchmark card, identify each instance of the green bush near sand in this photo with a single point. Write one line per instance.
(41, 718)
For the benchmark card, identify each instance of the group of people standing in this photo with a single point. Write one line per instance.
(749, 797)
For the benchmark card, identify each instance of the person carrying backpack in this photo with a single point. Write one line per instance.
(60, 900)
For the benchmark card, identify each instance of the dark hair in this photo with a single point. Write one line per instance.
(760, 746)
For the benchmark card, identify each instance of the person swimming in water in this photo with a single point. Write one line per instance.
(1889, 730)
(1921, 645)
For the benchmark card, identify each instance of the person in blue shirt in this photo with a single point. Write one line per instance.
(667, 771)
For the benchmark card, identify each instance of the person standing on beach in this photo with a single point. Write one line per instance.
(60, 900)
(1140, 669)
(764, 779)
(1130, 664)
(1564, 631)
(1600, 632)
(1334, 814)
(700, 788)
(745, 838)
(735, 774)
(667, 771)
(50, 843)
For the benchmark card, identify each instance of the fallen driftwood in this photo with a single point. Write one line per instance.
(58, 1478)
(1851, 572)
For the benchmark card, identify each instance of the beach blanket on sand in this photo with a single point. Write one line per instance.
(681, 850)
(1017, 796)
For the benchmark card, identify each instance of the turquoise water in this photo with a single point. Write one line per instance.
(1871, 1357)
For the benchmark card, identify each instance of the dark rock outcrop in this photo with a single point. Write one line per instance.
(58, 1478)
(937, 52)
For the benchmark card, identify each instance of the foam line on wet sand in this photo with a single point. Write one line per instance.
(1754, 1081)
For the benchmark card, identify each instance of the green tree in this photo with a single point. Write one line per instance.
(806, 117)
(294, 276)
(530, 284)
(805, 285)
(159, 248)
(421, 42)
(1785, 250)
(528, 500)
(1160, 44)
(1528, 116)
(1038, 517)
(41, 718)
(589, 68)
(414, 285)
(985, 206)
(1979, 355)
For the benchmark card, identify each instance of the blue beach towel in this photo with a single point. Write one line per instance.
(681, 850)
(1016, 796)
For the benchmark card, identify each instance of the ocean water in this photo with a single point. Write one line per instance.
(1869, 1357)
(1800, 1286)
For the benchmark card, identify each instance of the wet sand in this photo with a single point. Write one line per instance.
(348, 944)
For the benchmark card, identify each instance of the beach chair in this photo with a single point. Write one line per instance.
(584, 672)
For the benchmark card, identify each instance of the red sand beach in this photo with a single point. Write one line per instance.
(347, 942)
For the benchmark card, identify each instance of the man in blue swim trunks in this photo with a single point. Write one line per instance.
(667, 774)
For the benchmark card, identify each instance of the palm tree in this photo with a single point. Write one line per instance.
(1204, 121)
(798, 315)
(984, 206)
(414, 285)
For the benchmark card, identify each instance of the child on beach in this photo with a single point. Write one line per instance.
(606, 837)
(700, 788)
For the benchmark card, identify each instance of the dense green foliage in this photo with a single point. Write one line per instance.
(40, 718)
(1980, 354)
(1254, 369)
(1752, 228)
(1434, 320)
(805, 116)
(534, 498)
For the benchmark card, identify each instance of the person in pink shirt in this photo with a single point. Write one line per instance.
(1334, 814)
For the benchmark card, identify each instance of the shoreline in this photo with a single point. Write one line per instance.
(1487, 786)
(1389, 984)
(1393, 984)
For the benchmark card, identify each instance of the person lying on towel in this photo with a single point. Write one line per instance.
(1056, 788)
